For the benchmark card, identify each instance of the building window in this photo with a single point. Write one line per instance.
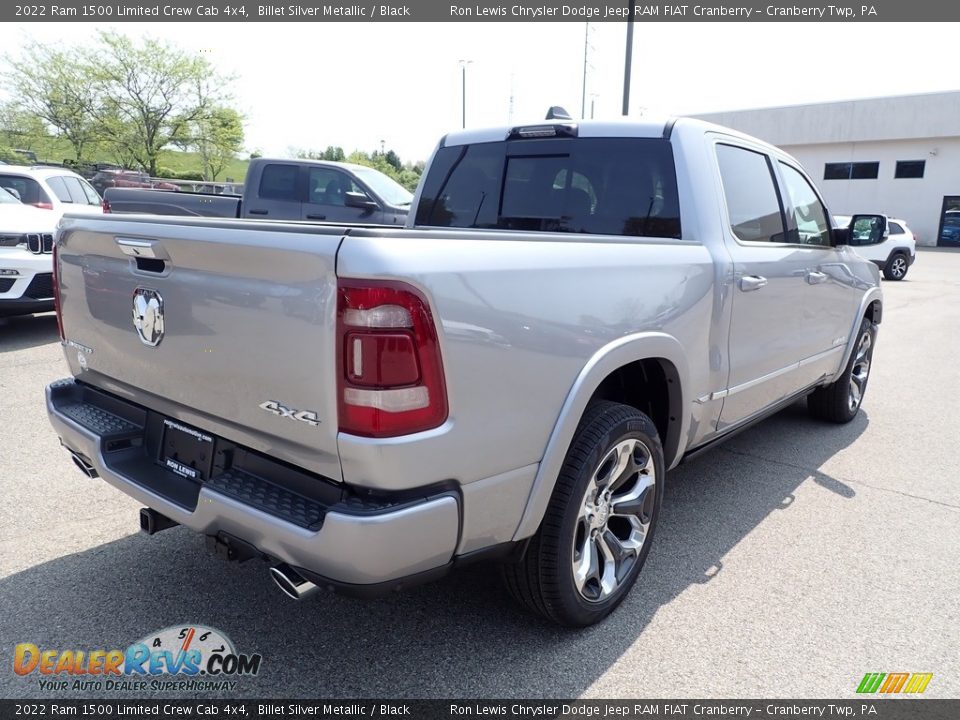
(851, 171)
(910, 169)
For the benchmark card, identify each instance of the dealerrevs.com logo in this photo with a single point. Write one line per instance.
(180, 657)
(894, 683)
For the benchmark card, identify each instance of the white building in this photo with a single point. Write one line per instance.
(894, 155)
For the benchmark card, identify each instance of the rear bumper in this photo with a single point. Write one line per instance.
(330, 534)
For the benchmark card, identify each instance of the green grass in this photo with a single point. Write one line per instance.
(57, 150)
(190, 162)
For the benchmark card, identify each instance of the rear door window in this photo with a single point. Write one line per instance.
(753, 202)
(75, 190)
(279, 182)
(59, 189)
(607, 186)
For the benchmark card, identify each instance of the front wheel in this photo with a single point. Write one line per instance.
(840, 401)
(896, 268)
(599, 525)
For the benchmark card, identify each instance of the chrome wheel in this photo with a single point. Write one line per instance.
(898, 267)
(614, 519)
(860, 371)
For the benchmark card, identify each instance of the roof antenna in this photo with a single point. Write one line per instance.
(558, 113)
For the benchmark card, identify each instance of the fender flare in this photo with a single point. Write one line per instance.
(611, 357)
(898, 250)
(873, 294)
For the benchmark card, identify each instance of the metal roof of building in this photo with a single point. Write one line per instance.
(899, 117)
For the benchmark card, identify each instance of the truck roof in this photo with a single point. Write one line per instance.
(311, 161)
(653, 127)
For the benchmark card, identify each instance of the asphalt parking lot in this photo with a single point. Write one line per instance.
(788, 562)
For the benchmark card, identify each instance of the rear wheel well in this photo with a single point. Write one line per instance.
(652, 386)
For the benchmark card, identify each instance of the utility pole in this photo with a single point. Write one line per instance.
(586, 47)
(629, 59)
(463, 89)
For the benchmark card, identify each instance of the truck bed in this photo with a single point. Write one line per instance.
(168, 202)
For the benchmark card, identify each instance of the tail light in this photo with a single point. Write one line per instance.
(105, 205)
(42, 205)
(56, 291)
(389, 371)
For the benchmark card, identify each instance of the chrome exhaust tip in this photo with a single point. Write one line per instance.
(86, 467)
(292, 583)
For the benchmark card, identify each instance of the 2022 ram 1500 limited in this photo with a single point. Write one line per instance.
(572, 310)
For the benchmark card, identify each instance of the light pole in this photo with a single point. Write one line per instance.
(463, 88)
(628, 60)
(586, 47)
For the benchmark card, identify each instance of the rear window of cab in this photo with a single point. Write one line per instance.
(604, 186)
(29, 189)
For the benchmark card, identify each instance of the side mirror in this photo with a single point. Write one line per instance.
(868, 229)
(359, 200)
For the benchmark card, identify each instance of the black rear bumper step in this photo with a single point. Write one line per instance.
(268, 497)
(131, 439)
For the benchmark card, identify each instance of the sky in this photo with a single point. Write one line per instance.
(311, 84)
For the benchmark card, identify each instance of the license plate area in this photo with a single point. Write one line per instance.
(186, 451)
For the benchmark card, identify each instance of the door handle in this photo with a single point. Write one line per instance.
(258, 212)
(752, 282)
(815, 277)
(316, 217)
(142, 248)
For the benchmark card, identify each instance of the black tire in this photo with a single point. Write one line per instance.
(544, 579)
(897, 266)
(835, 402)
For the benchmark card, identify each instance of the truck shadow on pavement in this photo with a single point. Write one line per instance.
(27, 331)
(459, 637)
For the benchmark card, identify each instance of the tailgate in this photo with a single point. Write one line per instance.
(236, 324)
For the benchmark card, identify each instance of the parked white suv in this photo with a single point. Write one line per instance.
(894, 255)
(26, 269)
(51, 188)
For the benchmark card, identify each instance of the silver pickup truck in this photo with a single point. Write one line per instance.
(572, 309)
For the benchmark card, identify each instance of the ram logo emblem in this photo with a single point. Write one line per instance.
(148, 316)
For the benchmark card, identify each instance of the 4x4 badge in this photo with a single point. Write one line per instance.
(307, 416)
(148, 316)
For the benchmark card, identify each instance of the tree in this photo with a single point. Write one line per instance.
(155, 91)
(218, 138)
(393, 159)
(22, 129)
(58, 87)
